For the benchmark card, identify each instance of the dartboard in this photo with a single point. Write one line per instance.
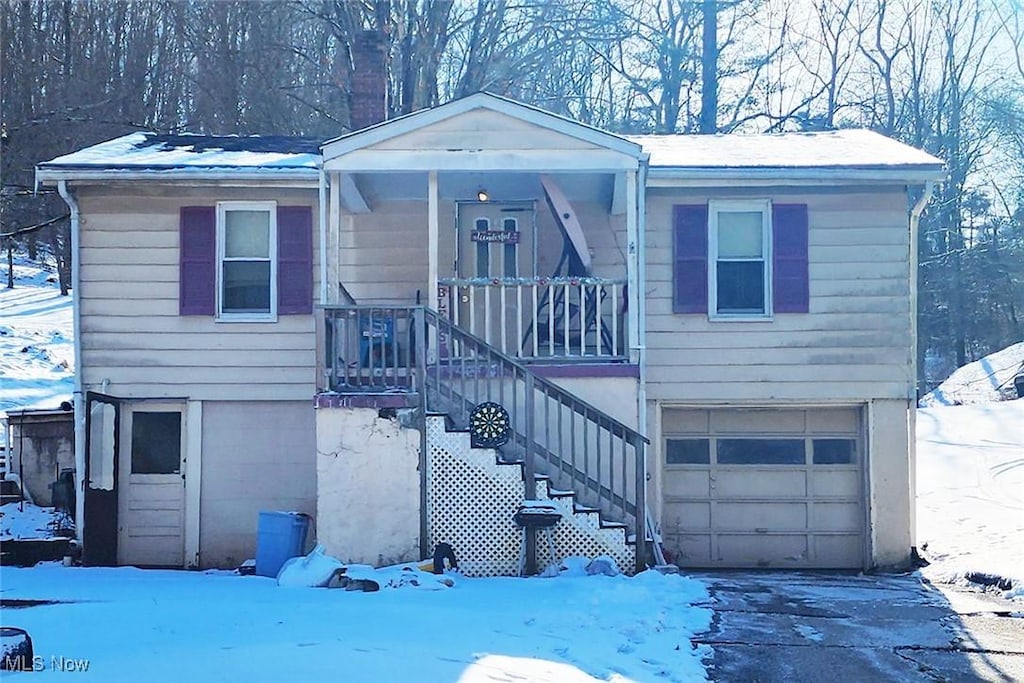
(489, 426)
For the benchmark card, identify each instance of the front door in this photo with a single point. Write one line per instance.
(495, 245)
(152, 482)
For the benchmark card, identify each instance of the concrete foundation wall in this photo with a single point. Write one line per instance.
(41, 446)
(368, 486)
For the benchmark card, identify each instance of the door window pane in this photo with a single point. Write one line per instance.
(740, 234)
(834, 451)
(101, 446)
(761, 452)
(688, 452)
(246, 286)
(156, 443)
(511, 249)
(740, 286)
(483, 250)
(247, 234)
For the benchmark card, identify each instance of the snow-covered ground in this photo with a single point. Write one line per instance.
(27, 521)
(970, 491)
(983, 381)
(36, 346)
(131, 624)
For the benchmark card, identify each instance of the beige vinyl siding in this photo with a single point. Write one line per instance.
(256, 456)
(383, 255)
(132, 335)
(853, 344)
(605, 234)
(476, 130)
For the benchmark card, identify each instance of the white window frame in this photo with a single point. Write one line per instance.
(222, 209)
(715, 207)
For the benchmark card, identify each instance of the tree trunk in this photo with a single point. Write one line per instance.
(709, 70)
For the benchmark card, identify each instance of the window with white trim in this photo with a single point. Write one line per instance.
(739, 259)
(247, 261)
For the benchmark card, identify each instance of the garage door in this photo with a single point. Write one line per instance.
(763, 488)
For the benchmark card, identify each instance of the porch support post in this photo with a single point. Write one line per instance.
(322, 221)
(433, 223)
(334, 232)
(633, 257)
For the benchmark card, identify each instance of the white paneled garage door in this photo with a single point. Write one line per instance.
(763, 487)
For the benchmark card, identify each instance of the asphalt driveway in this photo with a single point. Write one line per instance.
(833, 627)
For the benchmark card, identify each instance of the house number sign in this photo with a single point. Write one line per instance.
(498, 236)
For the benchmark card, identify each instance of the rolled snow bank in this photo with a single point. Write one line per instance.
(970, 495)
(983, 381)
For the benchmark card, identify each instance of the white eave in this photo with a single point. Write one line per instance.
(224, 176)
(683, 176)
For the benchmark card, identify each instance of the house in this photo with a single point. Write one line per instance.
(410, 329)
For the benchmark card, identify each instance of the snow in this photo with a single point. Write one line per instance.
(830, 149)
(970, 492)
(37, 357)
(983, 381)
(150, 151)
(218, 626)
(25, 521)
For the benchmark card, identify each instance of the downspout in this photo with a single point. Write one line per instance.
(323, 235)
(641, 299)
(76, 326)
(641, 304)
(915, 220)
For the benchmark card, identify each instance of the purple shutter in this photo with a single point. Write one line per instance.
(789, 263)
(690, 258)
(198, 260)
(294, 260)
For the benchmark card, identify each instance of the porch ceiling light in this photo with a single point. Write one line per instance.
(482, 195)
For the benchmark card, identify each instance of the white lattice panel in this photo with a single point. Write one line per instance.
(470, 503)
(581, 534)
(471, 500)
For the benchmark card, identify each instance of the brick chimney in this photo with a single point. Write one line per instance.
(369, 86)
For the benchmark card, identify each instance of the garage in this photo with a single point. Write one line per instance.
(764, 487)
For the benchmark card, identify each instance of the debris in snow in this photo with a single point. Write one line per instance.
(312, 571)
(604, 566)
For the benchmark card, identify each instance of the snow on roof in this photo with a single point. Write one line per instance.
(155, 152)
(852, 148)
(693, 154)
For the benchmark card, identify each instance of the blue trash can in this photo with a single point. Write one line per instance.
(280, 536)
